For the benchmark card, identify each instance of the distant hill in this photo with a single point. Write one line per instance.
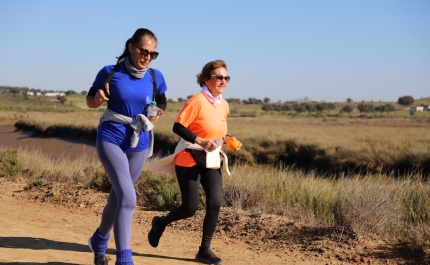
(422, 101)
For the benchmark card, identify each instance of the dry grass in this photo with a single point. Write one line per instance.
(372, 206)
(366, 204)
(363, 205)
(37, 167)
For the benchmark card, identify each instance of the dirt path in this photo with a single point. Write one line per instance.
(43, 233)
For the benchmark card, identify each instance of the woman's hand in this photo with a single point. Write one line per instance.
(207, 145)
(99, 98)
(154, 118)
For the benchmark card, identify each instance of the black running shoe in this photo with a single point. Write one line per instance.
(205, 255)
(156, 232)
(98, 259)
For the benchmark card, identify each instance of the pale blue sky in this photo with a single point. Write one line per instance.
(286, 50)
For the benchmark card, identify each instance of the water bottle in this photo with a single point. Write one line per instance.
(152, 109)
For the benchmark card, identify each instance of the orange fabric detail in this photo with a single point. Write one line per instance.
(184, 159)
(203, 119)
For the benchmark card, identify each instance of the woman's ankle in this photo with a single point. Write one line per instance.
(124, 257)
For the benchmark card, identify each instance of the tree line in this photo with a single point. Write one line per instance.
(266, 102)
(321, 107)
(24, 90)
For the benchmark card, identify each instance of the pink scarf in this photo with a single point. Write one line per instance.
(215, 101)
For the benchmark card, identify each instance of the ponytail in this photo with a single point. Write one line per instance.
(125, 53)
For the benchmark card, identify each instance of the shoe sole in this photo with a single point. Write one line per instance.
(207, 262)
(89, 244)
(152, 225)
(154, 246)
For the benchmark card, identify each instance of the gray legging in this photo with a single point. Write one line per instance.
(123, 169)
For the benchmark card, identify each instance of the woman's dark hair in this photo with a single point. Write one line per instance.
(135, 39)
(207, 71)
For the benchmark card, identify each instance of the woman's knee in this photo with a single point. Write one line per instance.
(213, 204)
(189, 210)
(128, 202)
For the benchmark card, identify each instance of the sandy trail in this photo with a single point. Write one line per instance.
(43, 233)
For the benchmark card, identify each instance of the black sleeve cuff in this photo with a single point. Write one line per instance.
(91, 92)
(162, 101)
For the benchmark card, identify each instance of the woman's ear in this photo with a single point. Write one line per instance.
(129, 47)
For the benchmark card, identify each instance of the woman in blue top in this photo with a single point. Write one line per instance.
(123, 137)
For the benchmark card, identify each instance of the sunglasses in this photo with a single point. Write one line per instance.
(220, 78)
(145, 52)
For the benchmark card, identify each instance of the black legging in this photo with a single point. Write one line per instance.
(189, 179)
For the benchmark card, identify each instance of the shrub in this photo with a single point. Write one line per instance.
(10, 165)
(62, 99)
(406, 100)
(347, 109)
(365, 107)
(241, 193)
(158, 191)
(36, 183)
(371, 210)
(99, 181)
(416, 241)
(70, 92)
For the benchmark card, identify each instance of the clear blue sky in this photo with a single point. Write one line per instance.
(285, 50)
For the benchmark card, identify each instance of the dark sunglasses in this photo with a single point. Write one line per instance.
(220, 78)
(145, 52)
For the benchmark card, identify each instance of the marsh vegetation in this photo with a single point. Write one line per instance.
(367, 175)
